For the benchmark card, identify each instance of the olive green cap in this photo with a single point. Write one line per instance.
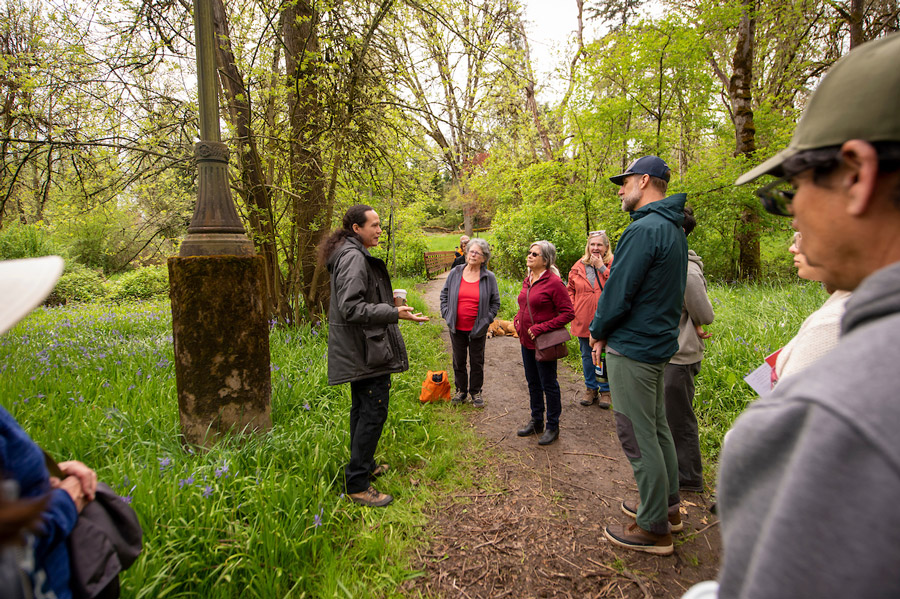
(859, 98)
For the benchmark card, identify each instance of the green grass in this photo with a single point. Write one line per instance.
(751, 322)
(258, 518)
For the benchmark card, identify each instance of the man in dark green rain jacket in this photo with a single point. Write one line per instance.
(637, 324)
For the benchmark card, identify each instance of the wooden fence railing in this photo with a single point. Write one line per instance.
(438, 262)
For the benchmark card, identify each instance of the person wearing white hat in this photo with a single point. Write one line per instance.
(23, 286)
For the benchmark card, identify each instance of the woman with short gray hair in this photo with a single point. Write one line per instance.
(470, 301)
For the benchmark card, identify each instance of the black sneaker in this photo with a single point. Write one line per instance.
(477, 400)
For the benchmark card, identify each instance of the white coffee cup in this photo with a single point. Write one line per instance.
(399, 297)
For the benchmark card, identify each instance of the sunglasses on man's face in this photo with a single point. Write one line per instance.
(777, 197)
(534, 254)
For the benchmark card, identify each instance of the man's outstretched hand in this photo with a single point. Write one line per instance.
(406, 313)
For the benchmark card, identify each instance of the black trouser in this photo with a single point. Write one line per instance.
(368, 413)
(462, 344)
(679, 384)
(542, 383)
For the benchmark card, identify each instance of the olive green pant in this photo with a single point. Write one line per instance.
(640, 407)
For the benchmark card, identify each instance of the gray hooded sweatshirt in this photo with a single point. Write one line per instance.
(697, 309)
(809, 487)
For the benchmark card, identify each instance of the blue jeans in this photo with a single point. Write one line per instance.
(587, 365)
(542, 382)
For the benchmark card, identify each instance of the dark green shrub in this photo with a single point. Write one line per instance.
(78, 283)
(143, 283)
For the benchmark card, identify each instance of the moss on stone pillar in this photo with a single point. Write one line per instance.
(221, 333)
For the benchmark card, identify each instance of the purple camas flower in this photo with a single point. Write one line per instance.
(164, 463)
(306, 406)
(207, 491)
(183, 482)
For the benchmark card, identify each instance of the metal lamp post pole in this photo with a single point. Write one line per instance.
(216, 285)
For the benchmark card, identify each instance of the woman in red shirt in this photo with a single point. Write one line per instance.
(586, 281)
(470, 301)
(544, 305)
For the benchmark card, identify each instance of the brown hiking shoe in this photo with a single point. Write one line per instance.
(459, 398)
(674, 515)
(589, 397)
(371, 498)
(605, 400)
(477, 400)
(636, 538)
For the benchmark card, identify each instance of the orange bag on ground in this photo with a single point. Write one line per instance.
(435, 387)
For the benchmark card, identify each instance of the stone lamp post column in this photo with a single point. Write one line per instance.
(216, 285)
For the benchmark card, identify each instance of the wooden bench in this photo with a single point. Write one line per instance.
(438, 262)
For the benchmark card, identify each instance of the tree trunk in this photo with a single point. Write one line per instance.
(531, 100)
(306, 118)
(740, 90)
(579, 50)
(256, 192)
(857, 33)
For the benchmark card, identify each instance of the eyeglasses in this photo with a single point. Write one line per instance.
(777, 197)
(475, 253)
(534, 254)
(596, 233)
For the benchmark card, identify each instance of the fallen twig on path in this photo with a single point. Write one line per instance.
(706, 527)
(593, 455)
(496, 442)
(550, 470)
(477, 580)
(492, 542)
(465, 594)
(505, 412)
(627, 574)
(477, 495)
(599, 496)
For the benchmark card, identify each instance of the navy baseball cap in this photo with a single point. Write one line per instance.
(646, 165)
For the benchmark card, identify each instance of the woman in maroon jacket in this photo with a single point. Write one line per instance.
(544, 305)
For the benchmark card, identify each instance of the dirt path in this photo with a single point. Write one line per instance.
(532, 524)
